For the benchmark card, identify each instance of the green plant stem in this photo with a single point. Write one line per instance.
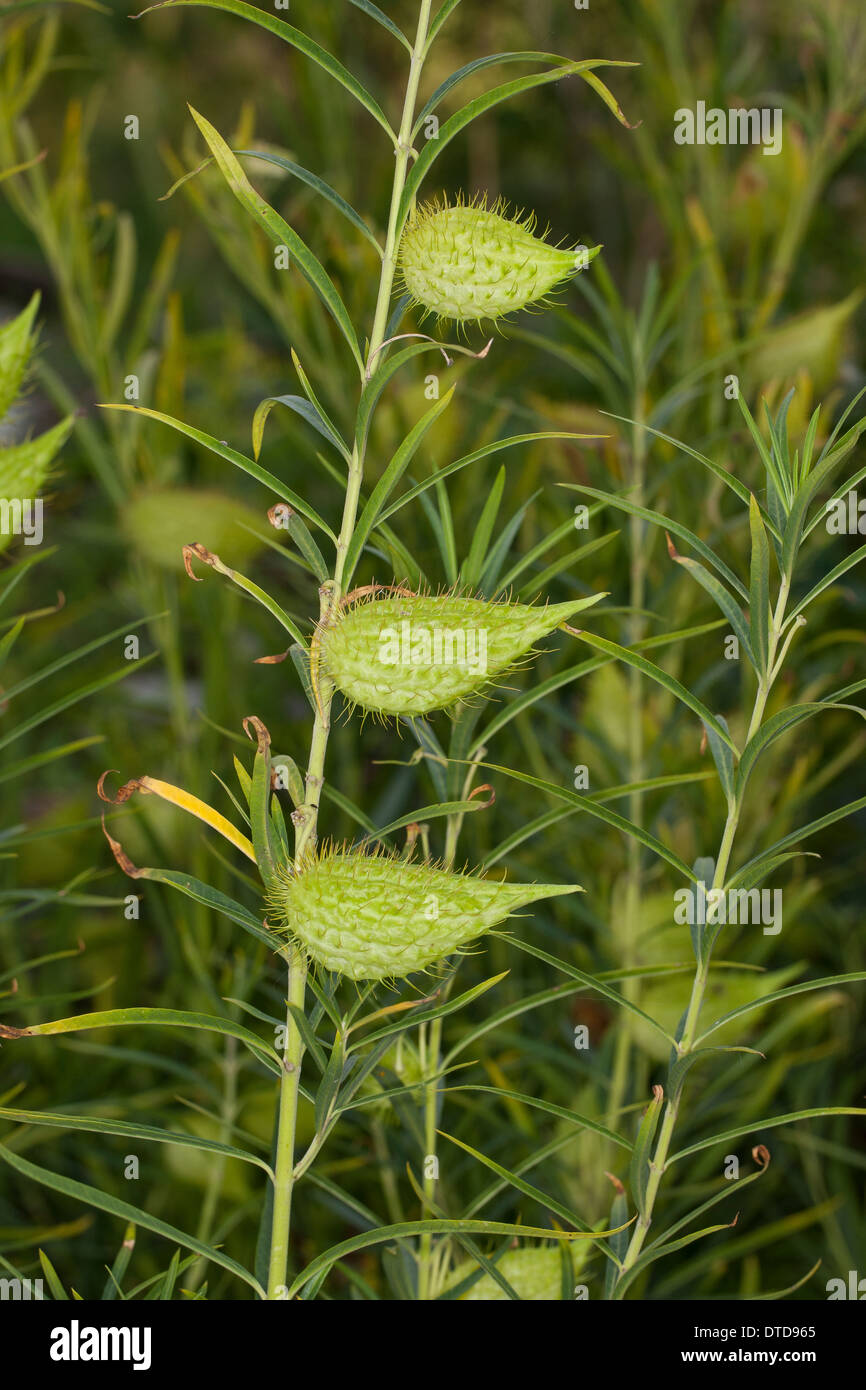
(390, 1190)
(306, 816)
(637, 593)
(432, 1059)
(284, 1170)
(403, 154)
(686, 1041)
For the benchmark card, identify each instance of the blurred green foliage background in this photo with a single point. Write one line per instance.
(716, 261)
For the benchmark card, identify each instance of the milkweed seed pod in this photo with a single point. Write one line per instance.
(812, 341)
(468, 262)
(409, 654)
(378, 917)
(534, 1272)
(161, 521)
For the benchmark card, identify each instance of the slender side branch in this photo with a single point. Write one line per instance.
(686, 1042)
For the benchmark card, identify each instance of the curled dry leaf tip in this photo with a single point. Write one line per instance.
(275, 660)
(123, 860)
(136, 784)
(260, 732)
(479, 791)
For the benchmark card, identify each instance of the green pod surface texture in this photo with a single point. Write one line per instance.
(534, 1272)
(469, 263)
(377, 917)
(412, 654)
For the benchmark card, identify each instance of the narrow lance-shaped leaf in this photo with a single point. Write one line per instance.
(774, 475)
(408, 1229)
(247, 465)
(185, 801)
(477, 65)
(530, 697)
(650, 1256)
(270, 858)
(475, 457)
(207, 557)
(305, 409)
(135, 1017)
(543, 822)
(104, 1201)
(593, 983)
(427, 1013)
(68, 658)
(669, 683)
(665, 523)
(388, 481)
(779, 724)
(471, 572)
(437, 810)
(324, 189)
(594, 808)
(759, 588)
(535, 1194)
(211, 898)
(830, 578)
(319, 408)
(558, 1111)
(104, 1124)
(723, 759)
(477, 107)
(683, 1065)
(277, 228)
(756, 1127)
(642, 1152)
(443, 15)
(826, 467)
(718, 471)
(722, 598)
(805, 987)
(375, 13)
(50, 712)
(288, 166)
(289, 34)
(796, 836)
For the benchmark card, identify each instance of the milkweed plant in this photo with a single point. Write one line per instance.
(354, 922)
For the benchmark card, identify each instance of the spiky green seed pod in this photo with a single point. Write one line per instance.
(410, 653)
(378, 917)
(161, 521)
(470, 262)
(533, 1271)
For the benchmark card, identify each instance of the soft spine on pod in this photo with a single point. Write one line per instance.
(394, 652)
(468, 262)
(375, 916)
